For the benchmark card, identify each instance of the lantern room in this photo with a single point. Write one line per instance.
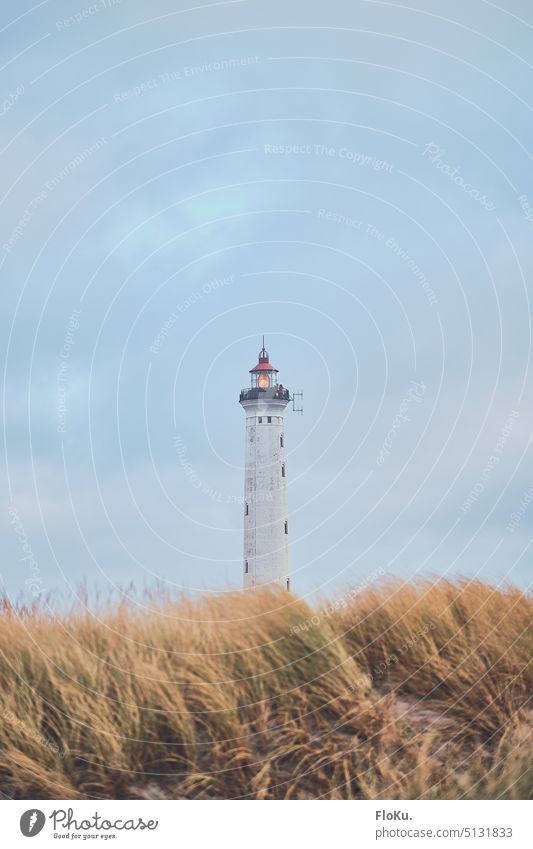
(264, 375)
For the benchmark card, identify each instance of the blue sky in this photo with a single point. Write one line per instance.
(354, 180)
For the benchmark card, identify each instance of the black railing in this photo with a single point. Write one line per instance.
(256, 393)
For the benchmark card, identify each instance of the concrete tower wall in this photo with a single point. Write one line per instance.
(266, 539)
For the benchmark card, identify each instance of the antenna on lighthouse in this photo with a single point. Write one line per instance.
(297, 406)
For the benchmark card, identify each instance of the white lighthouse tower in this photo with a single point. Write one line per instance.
(266, 518)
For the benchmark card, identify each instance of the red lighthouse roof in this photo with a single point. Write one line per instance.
(263, 367)
(263, 364)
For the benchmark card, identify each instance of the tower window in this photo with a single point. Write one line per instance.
(269, 419)
(260, 419)
(246, 511)
(288, 584)
(283, 470)
(246, 567)
(286, 527)
(281, 442)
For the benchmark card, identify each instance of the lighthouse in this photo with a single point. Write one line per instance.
(266, 517)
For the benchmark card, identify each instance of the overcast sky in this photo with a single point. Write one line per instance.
(354, 180)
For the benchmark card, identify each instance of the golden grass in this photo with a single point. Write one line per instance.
(401, 691)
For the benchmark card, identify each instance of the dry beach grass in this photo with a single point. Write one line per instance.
(419, 690)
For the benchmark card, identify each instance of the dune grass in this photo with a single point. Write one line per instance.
(399, 691)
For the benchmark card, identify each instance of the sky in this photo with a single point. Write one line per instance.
(352, 179)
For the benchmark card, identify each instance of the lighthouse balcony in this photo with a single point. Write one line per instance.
(258, 394)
